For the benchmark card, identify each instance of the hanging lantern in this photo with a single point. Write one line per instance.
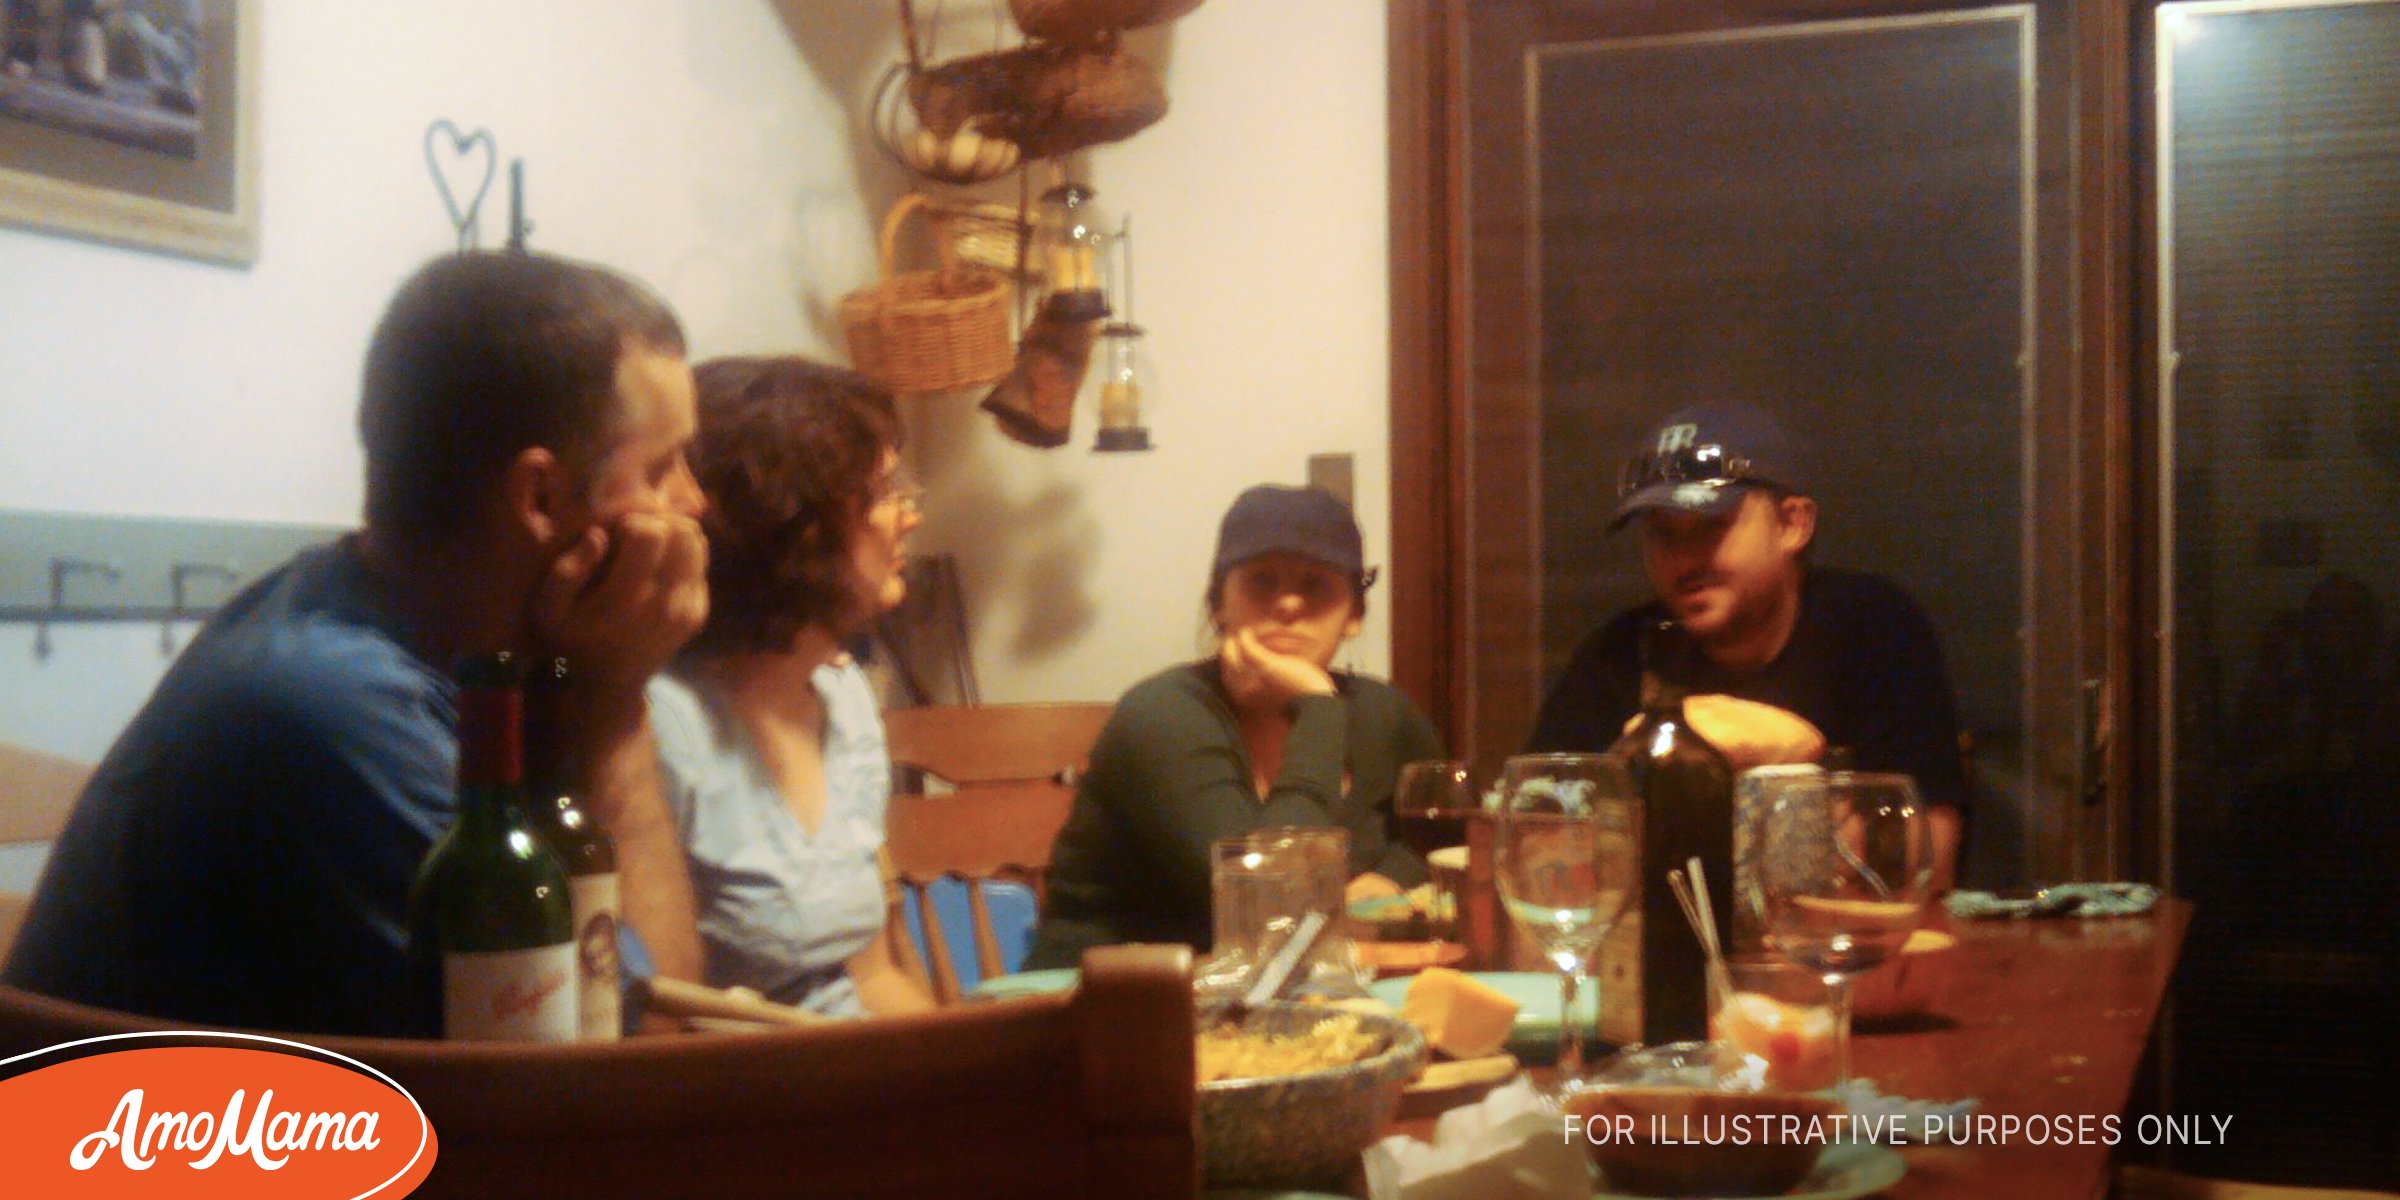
(1124, 379)
(1076, 254)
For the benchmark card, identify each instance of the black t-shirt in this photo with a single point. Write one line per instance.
(1862, 665)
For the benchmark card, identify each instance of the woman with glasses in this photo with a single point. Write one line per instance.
(1263, 732)
(768, 733)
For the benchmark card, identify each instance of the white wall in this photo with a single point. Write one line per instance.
(714, 149)
(1259, 213)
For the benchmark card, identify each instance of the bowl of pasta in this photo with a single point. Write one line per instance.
(1291, 1093)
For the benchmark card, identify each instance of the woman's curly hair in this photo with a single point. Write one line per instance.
(788, 453)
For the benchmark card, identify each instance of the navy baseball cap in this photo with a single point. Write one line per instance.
(1703, 459)
(1293, 520)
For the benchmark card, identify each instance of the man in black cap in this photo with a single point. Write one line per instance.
(1782, 657)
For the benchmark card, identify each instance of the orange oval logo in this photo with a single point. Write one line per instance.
(211, 1121)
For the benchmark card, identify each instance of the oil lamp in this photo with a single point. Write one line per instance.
(1075, 254)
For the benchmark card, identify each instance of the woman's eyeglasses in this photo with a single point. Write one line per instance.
(901, 495)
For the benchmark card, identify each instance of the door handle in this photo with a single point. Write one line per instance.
(2091, 746)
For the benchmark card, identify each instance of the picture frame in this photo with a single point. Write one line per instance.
(133, 123)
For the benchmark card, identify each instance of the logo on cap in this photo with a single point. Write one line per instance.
(1677, 437)
(1694, 495)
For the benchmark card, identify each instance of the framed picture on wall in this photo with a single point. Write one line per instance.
(132, 122)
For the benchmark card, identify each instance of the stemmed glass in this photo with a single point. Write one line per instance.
(1431, 801)
(1844, 873)
(1568, 862)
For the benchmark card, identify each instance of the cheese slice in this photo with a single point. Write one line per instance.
(1462, 1016)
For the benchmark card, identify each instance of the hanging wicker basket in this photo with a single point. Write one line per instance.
(986, 234)
(1090, 20)
(1047, 99)
(928, 331)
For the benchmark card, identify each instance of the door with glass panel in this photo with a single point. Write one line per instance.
(2277, 211)
(1853, 216)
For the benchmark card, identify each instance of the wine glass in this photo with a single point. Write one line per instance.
(1431, 802)
(1844, 874)
(1568, 862)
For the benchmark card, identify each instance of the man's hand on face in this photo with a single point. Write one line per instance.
(1750, 734)
(1255, 674)
(621, 600)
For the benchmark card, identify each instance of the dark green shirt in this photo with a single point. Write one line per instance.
(1171, 774)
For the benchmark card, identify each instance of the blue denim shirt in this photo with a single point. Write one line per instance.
(781, 910)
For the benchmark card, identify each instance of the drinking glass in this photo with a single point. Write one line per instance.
(1844, 873)
(1431, 802)
(1262, 884)
(1568, 862)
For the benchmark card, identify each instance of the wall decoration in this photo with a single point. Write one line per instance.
(133, 123)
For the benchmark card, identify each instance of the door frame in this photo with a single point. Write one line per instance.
(2109, 610)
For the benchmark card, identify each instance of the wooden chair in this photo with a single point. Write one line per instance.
(37, 791)
(969, 744)
(1088, 1094)
(1011, 769)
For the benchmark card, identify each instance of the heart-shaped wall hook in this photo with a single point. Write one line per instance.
(455, 158)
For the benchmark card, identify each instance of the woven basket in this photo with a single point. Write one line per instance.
(1049, 99)
(928, 331)
(985, 234)
(1089, 20)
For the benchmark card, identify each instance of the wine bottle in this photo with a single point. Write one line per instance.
(490, 929)
(552, 769)
(1686, 787)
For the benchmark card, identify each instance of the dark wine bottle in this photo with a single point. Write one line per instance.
(552, 773)
(1686, 787)
(491, 934)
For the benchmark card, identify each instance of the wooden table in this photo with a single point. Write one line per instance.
(2044, 1018)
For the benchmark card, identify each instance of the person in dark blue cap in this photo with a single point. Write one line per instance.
(1264, 732)
(1782, 657)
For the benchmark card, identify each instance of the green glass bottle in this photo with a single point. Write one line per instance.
(553, 772)
(491, 933)
(1687, 810)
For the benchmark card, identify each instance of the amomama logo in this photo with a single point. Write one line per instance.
(259, 1122)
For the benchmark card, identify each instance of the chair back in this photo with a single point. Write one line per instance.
(1086, 1094)
(1011, 769)
(968, 744)
(37, 791)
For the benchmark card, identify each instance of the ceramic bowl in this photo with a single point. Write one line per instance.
(1303, 1130)
(1650, 1114)
(1913, 982)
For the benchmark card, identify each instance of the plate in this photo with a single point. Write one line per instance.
(1534, 1038)
(1406, 958)
(1845, 1171)
(1026, 983)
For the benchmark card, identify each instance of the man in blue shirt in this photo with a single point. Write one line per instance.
(243, 854)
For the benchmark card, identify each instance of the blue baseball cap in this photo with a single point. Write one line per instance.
(1309, 522)
(1704, 459)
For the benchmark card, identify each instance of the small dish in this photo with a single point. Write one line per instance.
(1026, 983)
(1845, 1171)
(1387, 959)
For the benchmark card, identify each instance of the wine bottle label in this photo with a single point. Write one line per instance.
(510, 995)
(594, 898)
(1619, 977)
